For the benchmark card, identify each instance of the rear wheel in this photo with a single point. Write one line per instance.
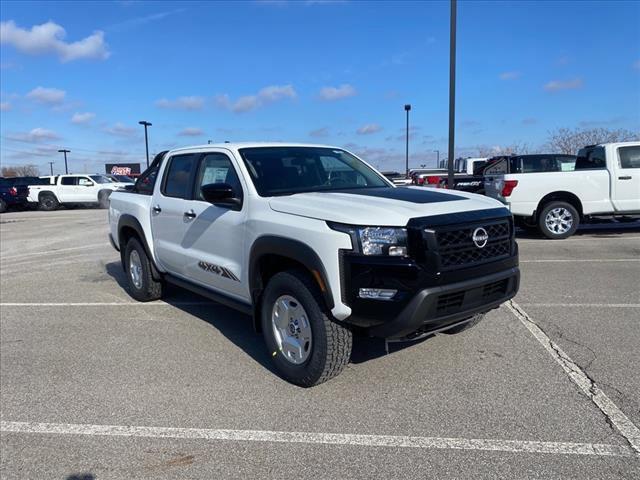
(558, 220)
(142, 286)
(306, 344)
(48, 202)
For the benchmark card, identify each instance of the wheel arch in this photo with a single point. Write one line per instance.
(47, 192)
(271, 254)
(560, 196)
(128, 227)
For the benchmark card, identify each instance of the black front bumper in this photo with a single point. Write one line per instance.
(444, 280)
(435, 308)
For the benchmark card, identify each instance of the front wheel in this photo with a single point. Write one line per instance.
(306, 344)
(558, 220)
(142, 286)
(3, 206)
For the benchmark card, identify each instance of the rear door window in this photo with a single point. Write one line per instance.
(177, 177)
(591, 159)
(629, 157)
(69, 181)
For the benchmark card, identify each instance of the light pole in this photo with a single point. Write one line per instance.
(51, 167)
(452, 91)
(437, 158)
(65, 151)
(146, 138)
(407, 108)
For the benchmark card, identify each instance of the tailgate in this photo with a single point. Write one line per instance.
(494, 178)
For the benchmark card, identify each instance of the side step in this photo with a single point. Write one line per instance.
(217, 297)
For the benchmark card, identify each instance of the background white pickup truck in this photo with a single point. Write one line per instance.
(604, 182)
(69, 189)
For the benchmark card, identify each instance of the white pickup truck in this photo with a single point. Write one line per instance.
(605, 181)
(315, 245)
(72, 189)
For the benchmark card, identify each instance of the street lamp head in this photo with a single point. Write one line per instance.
(145, 123)
(64, 150)
(407, 107)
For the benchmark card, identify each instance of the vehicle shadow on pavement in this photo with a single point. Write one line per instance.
(238, 328)
(81, 476)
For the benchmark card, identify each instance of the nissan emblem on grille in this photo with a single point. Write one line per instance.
(480, 237)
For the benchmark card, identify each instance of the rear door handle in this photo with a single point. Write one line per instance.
(626, 177)
(157, 209)
(190, 214)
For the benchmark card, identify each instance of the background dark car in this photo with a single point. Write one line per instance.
(12, 193)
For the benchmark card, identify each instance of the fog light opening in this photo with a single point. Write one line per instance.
(377, 293)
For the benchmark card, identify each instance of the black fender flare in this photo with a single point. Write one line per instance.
(129, 221)
(288, 248)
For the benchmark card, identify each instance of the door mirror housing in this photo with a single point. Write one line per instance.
(221, 194)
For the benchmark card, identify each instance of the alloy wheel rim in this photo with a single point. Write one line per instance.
(559, 220)
(291, 329)
(135, 269)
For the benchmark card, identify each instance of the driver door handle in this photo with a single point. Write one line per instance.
(190, 214)
(157, 209)
(627, 177)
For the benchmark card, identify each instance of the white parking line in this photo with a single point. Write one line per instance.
(614, 415)
(427, 443)
(582, 260)
(52, 252)
(597, 305)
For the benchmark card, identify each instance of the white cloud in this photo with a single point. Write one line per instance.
(82, 118)
(47, 96)
(336, 93)
(320, 132)
(191, 132)
(48, 38)
(120, 130)
(182, 103)
(5, 107)
(369, 128)
(34, 136)
(509, 75)
(266, 95)
(557, 85)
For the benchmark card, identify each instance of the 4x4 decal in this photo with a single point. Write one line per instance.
(218, 270)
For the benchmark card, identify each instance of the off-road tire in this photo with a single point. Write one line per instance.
(48, 202)
(542, 226)
(331, 344)
(150, 289)
(476, 319)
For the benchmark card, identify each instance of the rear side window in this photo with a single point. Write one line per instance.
(69, 181)
(178, 175)
(591, 159)
(147, 180)
(629, 157)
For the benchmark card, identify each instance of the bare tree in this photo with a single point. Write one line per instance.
(20, 171)
(516, 148)
(569, 141)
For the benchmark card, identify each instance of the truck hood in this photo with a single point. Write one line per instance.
(380, 206)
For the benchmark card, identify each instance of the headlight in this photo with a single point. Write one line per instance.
(383, 241)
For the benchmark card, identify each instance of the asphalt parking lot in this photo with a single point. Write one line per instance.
(96, 386)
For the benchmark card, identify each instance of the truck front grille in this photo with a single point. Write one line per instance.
(457, 249)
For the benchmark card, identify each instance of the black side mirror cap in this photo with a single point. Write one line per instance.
(221, 194)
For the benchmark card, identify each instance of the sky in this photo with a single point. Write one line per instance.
(80, 75)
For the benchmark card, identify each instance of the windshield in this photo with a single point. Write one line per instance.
(100, 179)
(289, 170)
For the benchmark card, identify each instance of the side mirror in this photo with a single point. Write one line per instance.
(221, 194)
